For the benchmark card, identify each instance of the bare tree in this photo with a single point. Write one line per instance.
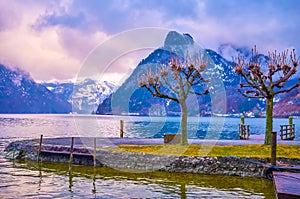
(179, 76)
(265, 80)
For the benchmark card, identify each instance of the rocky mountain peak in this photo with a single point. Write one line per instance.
(176, 39)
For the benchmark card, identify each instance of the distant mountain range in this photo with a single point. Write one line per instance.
(21, 94)
(85, 96)
(132, 100)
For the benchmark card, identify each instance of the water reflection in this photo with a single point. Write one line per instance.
(70, 180)
(94, 182)
(183, 190)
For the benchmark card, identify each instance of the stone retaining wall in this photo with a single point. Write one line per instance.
(138, 161)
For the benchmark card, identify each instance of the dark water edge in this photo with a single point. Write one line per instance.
(55, 180)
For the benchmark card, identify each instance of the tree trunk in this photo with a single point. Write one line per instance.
(184, 113)
(269, 120)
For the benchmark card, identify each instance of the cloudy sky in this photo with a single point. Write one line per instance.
(52, 39)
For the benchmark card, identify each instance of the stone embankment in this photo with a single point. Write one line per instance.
(233, 166)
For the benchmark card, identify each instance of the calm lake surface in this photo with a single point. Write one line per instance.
(23, 179)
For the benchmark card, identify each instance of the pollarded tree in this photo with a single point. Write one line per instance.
(266, 80)
(179, 77)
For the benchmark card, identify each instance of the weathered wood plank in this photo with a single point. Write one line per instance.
(172, 138)
(65, 153)
(287, 185)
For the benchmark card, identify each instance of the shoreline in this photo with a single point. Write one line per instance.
(58, 150)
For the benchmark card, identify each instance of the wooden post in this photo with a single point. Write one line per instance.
(71, 153)
(95, 152)
(70, 180)
(40, 147)
(242, 120)
(121, 128)
(273, 148)
(291, 120)
(248, 132)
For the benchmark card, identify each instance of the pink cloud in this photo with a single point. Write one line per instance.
(51, 39)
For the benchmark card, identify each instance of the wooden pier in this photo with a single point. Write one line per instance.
(287, 185)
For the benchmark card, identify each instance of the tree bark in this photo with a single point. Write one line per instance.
(269, 120)
(184, 113)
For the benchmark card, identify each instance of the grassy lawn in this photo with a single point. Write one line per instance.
(255, 150)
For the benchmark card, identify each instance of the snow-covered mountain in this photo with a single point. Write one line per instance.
(21, 94)
(130, 99)
(63, 90)
(85, 96)
(88, 94)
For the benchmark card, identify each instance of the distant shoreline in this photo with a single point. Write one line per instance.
(134, 115)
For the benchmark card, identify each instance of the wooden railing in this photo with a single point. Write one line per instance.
(244, 131)
(287, 132)
(69, 153)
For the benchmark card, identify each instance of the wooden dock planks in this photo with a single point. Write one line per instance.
(287, 185)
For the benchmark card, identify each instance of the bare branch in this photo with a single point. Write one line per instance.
(174, 89)
(250, 95)
(178, 76)
(281, 66)
(251, 82)
(197, 93)
(157, 93)
(289, 89)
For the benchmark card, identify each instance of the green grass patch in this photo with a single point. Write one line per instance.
(255, 150)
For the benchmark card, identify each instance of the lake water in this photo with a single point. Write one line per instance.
(31, 126)
(23, 179)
